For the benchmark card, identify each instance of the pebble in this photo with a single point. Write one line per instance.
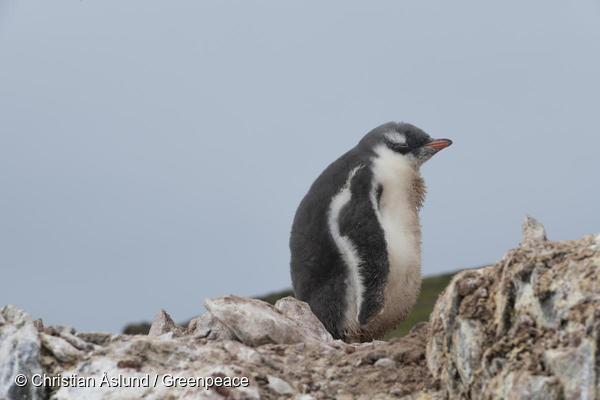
(385, 363)
(279, 385)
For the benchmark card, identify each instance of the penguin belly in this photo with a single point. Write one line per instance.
(397, 211)
(404, 278)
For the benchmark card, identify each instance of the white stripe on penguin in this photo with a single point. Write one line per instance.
(355, 287)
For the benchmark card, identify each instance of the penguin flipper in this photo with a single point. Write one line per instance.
(358, 222)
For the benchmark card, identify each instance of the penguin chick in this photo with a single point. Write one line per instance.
(356, 239)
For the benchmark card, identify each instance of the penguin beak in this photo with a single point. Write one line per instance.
(426, 151)
(438, 144)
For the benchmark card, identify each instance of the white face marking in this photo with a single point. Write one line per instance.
(347, 250)
(400, 222)
(395, 137)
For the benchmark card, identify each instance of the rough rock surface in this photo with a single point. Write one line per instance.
(255, 322)
(19, 353)
(284, 351)
(526, 327)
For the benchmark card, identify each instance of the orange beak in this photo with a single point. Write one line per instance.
(439, 144)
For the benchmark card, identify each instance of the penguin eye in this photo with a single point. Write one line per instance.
(401, 148)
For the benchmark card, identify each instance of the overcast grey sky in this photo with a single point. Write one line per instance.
(153, 153)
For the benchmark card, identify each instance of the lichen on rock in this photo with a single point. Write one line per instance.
(525, 327)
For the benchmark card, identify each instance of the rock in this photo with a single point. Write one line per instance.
(511, 385)
(39, 324)
(19, 354)
(424, 396)
(60, 348)
(307, 369)
(97, 338)
(533, 232)
(255, 322)
(162, 324)
(385, 363)
(68, 334)
(575, 369)
(409, 350)
(300, 312)
(373, 356)
(525, 327)
(209, 327)
(279, 385)
(467, 346)
(304, 397)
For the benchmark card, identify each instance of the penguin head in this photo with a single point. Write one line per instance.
(406, 140)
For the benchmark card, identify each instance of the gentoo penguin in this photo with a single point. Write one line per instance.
(356, 239)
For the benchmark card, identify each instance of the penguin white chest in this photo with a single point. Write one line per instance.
(397, 212)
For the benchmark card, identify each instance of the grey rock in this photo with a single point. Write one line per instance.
(525, 327)
(300, 347)
(307, 368)
(39, 324)
(300, 312)
(385, 363)
(163, 323)
(19, 354)
(373, 356)
(467, 347)
(60, 348)
(575, 368)
(70, 335)
(533, 231)
(523, 385)
(97, 338)
(242, 352)
(279, 385)
(255, 322)
(304, 397)
(209, 327)
(421, 395)
(164, 355)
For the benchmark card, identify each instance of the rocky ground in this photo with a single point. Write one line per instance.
(525, 327)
